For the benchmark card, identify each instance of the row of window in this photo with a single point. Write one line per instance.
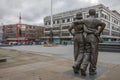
(59, 21)
(105, 16)
(10, 31)
(65, 27)
(65, 34)
(31, 31)
(10, 26)
(106, 32)
(54, 34)
(58, 34)
(115, 34)
(14, 27)
(31, 27)
(65, 20)
(87, 15)
(10, 36)
(57, 28)
(115, 21)
(31, 35)
(115, 28)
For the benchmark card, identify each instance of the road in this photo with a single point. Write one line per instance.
(66, 51)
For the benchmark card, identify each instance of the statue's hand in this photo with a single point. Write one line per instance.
(97, 33)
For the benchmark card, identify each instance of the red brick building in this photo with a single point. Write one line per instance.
(22, 32)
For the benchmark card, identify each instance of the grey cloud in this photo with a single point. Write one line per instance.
(33, 11)
(112, 4)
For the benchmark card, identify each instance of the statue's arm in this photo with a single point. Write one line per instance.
(70, 29)
(102, 26)
(87, 30)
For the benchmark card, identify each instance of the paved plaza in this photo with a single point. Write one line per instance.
(67, 52)
(52, 63)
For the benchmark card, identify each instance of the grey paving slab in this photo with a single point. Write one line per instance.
(67, 52)
(113, 74)
(100, 71)
(25, 66)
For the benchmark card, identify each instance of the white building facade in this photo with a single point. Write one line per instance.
(62, 21)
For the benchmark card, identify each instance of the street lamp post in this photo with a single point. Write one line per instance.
(51, 31)
(51, 15)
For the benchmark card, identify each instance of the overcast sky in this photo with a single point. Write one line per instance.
(33, 11)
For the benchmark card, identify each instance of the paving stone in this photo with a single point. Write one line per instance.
(28, 66)
(113, 74)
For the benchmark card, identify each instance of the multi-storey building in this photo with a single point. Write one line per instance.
(22, 32)
(62, 21)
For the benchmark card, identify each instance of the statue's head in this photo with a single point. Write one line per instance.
(78, 15)
(92, 12)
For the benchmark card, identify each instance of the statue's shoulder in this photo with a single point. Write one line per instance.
(97, 20)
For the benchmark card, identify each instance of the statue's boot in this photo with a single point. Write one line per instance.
(92, 72)
(83, 72)
(75, 69)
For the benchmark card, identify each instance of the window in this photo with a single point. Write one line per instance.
(45, 23)
(63, 21)
(65, 27)
(102, 15)
(105, 16)
(72, 19)
(106, 32)
(53, 22)
(56, 34)
(65, 34)
(68, 20)
(49, 23)
(115, 33)
(30, 27)
(115, 21)
(58, 22)
(47, 29)
(115, 28)
(47, 34)
(11, 35)
(96, 15)
(56, 28)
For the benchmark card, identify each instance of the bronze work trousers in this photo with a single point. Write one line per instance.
(91, 54)
(79, 48)
(78, 45)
